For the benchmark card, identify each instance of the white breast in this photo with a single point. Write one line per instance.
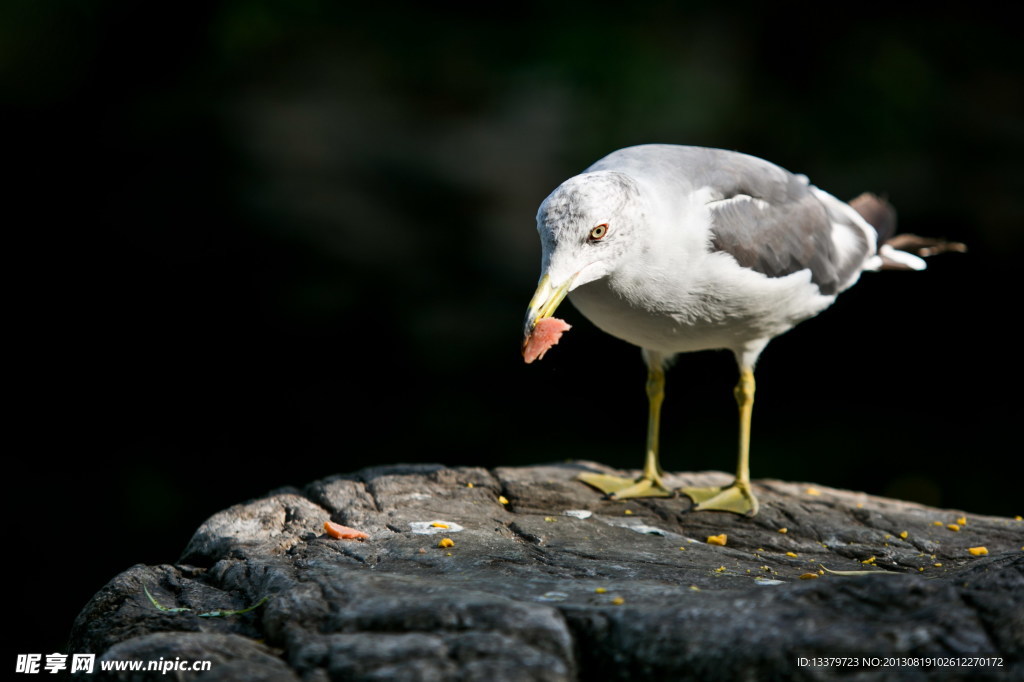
(717, 304)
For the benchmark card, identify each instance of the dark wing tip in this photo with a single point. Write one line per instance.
(878, 212)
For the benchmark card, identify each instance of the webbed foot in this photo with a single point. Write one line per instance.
(737, 498)
(621, 488)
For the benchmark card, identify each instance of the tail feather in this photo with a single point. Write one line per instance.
(924, 246)
(899, 251)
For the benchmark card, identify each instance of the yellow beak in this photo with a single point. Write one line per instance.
(544, 302)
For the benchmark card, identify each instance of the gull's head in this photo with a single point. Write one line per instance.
(586, 229)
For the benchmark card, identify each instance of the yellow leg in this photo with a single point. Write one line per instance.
(738, 497)
(649, 484)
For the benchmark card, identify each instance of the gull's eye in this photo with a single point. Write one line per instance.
(599, 232)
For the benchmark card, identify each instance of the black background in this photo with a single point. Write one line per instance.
(252, 244)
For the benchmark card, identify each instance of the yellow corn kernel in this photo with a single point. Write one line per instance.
(446, 542)
(978, 551)
(717, 540)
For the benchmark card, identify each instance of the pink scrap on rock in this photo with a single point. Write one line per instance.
(336, 530)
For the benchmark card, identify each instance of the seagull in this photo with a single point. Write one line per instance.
(677, 249)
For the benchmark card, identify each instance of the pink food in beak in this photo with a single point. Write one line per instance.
(545, 334)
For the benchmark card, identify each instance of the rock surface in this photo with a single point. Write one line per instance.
(545, 580)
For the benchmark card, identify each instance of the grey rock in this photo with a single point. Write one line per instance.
(229, 657)
(632, 590)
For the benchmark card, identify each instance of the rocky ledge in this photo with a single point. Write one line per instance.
(527, 574)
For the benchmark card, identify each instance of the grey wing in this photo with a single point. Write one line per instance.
(775, 225)
(776, 240)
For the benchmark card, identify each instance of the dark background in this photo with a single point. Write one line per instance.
(252, 244)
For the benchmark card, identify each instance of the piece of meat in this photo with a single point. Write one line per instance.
(545, 334)
(336, 530)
